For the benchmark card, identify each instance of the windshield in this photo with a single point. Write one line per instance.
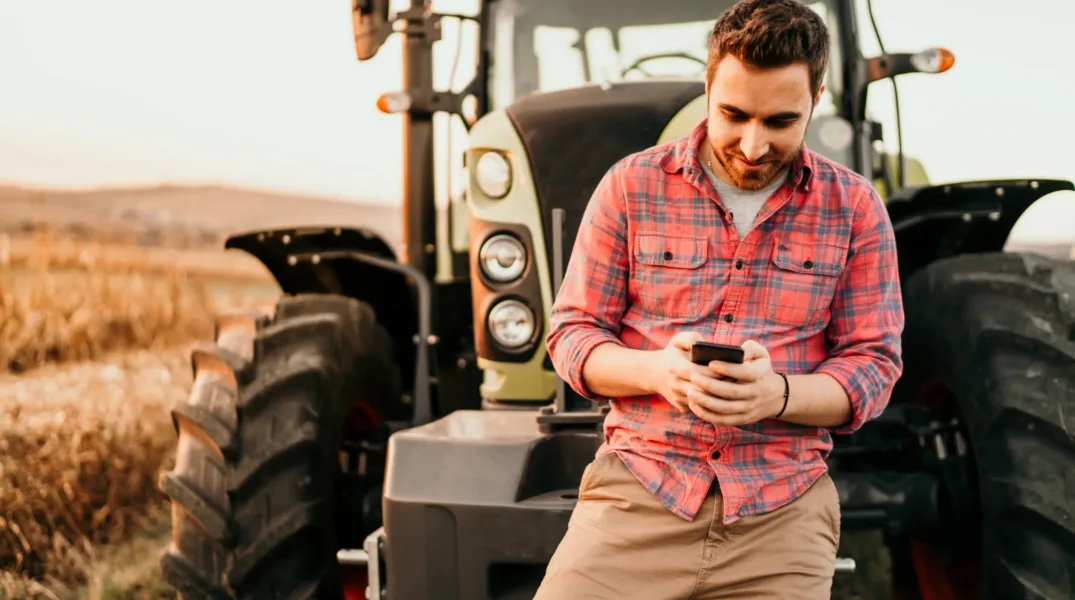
(547, 45)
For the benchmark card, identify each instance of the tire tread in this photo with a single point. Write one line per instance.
(998, 328)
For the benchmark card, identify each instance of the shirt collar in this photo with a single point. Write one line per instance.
(683, 156)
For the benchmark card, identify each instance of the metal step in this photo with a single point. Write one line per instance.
(353, 557)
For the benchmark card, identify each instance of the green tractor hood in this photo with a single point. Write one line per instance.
(572, 137)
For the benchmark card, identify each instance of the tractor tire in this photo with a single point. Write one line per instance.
(995, 332)
(253, 491)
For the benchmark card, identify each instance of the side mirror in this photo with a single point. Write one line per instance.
(932, 60)
(369, 19)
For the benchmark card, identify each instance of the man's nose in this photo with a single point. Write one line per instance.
(754, 144)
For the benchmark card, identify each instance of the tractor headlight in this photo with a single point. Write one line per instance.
(511, 323)
(502, 258)
(493, 175)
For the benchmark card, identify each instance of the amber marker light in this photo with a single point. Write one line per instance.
(933, 60)
(393, 102)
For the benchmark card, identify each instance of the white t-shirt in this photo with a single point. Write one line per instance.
(743, 204)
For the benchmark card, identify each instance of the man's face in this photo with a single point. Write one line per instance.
(757, 120)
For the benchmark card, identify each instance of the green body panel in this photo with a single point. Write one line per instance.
(443, 251)
(450, 238)
(451, 228)
(916, 173)
(685, 120)
(512, 381)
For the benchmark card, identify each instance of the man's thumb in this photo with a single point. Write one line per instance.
(684, 339)
(754, 350)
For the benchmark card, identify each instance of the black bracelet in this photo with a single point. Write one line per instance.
(786, 391)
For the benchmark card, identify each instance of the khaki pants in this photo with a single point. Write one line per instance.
(622, 543)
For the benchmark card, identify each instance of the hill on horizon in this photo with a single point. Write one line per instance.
(212, 211)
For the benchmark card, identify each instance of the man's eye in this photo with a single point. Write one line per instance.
(781, 123)
(735, 117)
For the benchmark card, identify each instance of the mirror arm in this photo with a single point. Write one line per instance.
(446, 102)
(888, 65)
(418, 23)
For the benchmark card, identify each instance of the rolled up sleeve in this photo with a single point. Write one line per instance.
(592, 297)
(867, 316)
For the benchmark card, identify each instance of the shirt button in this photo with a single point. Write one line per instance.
(738, 264)
(716, 455)
(728, 317)
(668, 256)
(809, 264)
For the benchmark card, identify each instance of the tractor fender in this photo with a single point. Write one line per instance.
(938, 221)
(358, 263)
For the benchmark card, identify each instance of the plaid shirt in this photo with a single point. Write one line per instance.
(815, 282)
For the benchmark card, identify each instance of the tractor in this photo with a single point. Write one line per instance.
(390, 427)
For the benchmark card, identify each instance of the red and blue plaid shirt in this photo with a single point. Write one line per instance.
(815, 282)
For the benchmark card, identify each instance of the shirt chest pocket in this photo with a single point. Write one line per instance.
(802, 279)
(668, 278)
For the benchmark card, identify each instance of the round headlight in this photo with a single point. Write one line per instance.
(493, 174)
(502, 258)
(511, 323)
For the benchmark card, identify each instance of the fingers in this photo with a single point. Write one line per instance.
(680, 404)
(687, 370)
(684, 339)
(719, 419)
(748, 372)
(698, 399)
(705, 414)
(744, 373)
(720, 406)
(754, 351)
(729, 390)
(755, 364)
(684, 369)
(680, 393)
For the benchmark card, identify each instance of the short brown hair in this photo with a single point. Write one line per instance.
(768, 34)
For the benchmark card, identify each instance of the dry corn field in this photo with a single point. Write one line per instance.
(94, 346)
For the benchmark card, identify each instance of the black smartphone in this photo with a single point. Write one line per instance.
(704, 352)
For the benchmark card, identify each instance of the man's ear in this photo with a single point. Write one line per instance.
(817, 98)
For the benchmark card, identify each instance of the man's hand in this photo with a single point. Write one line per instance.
(674, 369)
(730, 394)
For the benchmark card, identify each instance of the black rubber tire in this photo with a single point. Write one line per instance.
(206, 422)
(253, 491)
(998, 330)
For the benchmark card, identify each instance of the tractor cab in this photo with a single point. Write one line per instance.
(555, 45)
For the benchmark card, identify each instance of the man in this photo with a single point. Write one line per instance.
(712, 481)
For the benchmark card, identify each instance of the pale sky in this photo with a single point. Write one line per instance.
(268, 94)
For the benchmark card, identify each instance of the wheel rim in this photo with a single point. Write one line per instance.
(937, 578)
(361, 418)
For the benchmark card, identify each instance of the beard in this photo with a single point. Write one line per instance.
(762, 172)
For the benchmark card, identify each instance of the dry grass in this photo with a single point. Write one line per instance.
(47, 250)
(128, 570)
(61, 302)
(93, 353)
(81, 447)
